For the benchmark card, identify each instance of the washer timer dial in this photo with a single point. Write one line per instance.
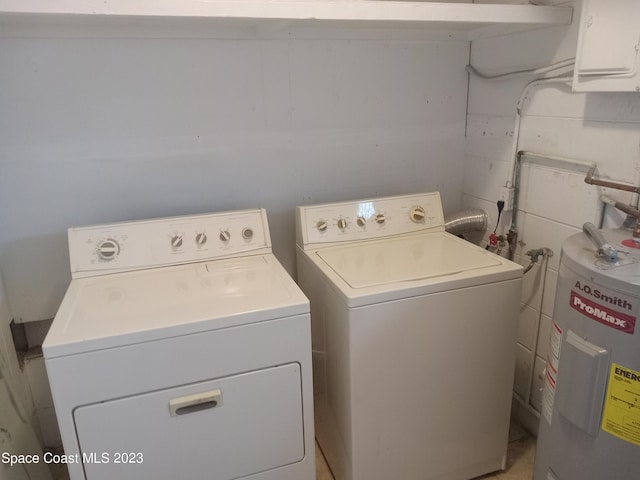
(108, 249)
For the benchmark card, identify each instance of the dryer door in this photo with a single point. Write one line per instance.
(226, 428)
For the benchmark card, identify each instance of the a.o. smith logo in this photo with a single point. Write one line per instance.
(599, 295)
(607, 316)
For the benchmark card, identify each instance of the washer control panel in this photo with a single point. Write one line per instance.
(102, 249)
(368, 219)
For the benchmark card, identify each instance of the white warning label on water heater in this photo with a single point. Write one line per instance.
(551, 372)
(621, 415)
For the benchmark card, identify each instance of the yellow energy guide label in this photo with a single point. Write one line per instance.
(621, 415)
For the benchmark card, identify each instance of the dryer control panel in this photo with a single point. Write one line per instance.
(118, 247)
(368, 219)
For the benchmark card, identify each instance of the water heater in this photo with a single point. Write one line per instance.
(590, 419)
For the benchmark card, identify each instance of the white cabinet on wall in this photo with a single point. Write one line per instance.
(607, 58)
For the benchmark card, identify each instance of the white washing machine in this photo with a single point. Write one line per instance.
(414, 334)
(182, 349)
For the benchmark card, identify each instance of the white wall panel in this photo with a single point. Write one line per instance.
(100, 130)
(551, 283)
(526, 326)
(536, 232)
(543, 336)
(615, 151)
(17, 415)
(601, 107)
(524, 363)
(485, 174)
(531, 290)
(489, 136)
(537, 384)
(10, 369)
(558, 194)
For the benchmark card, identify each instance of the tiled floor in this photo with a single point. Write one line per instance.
(520, 457)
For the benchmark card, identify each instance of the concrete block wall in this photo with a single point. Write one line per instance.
(603, 128)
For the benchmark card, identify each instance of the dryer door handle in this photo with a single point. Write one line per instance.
(195, 402)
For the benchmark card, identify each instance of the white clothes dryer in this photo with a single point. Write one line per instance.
(414, 334)
(182, 349)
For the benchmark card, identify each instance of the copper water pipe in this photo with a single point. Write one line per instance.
(628, 209)
(603, 183)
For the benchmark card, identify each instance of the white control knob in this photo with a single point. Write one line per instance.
(417, 214)
(361, 221)
(225, 236)
(381, 218)
(108, 249)
(247, 233)
(322, 226)
(176, 241)
(201, 238)
(342, 223)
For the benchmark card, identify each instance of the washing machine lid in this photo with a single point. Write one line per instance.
(126, 308)
(404, 259)
(365, 273)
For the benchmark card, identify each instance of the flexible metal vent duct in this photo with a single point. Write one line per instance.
(465, 221)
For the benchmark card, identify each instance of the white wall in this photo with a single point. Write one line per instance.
(112, 129)
(10, 369)
(555, 201)
(17, 433)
